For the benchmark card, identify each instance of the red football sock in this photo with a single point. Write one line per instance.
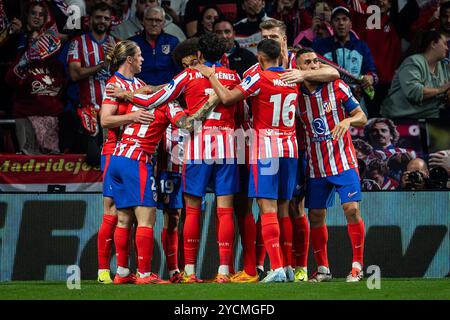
(144, 244)
(356, 234)
(301, 241)
(319, 239)
(172, 249)
(181, 252)
(225, 234)
(271, 235)
(122, 244)
(286, 240)
(164, 240)
(247, 228)
(191, 234)
(105, 239)
(260, 248)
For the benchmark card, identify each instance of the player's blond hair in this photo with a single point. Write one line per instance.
(122, 50)
(273, 23)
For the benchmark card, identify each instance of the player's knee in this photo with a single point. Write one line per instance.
(352, 213)
(316, 218)
(109, 207)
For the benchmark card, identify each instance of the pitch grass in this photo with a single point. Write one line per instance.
(391, 289)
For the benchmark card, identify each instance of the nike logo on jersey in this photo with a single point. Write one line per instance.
(356, 246)
(352, 194)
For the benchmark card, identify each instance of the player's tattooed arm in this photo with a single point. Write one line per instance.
(201, 114)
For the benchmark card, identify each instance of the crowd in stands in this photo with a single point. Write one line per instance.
(53, 70)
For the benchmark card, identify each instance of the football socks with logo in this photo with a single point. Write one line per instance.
(260, 248)
(105, 240)
(356, 234)
(286, 239)
(319, 239)
(271, 235)
(144, 244)
(225, 234)
(122, 244)
(301, 241)
(191, 234)
(247, 228)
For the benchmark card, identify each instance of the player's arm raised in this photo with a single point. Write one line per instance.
(357, 119)
(323, 74)
(226, 96)
(109, 118)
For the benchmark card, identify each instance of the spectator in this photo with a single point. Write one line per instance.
(238, 58)
(348, 51)
(420, 88)
(248, 34)
(133, 25)
(440, 159)
(378, 171)
(382, 135)
(384, 44)
(364, 151)
(434, 16)
(87, 67)
(295, 17)
(175, 9)
(321, 27)
(206, 19)
(37, 78)
(156, 47)
(416, 176)
(229, 9)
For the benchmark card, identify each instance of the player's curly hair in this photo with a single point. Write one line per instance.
(211, 46)
(122, 50)
(188, 47)
(392, 129)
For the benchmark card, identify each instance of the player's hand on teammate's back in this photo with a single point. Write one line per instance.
(142, 116)
(293, 76)
(340, 129)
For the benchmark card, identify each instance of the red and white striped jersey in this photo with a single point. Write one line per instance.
(273, 104)
(171, 149)
(292, 64)
(216, 139)
(389, 184)
(320, 111)
(122, 107)
(86, 50)
(386, 153)
(139, 141)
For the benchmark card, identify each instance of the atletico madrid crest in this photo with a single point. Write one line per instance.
(165, 48)
(327, 106)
